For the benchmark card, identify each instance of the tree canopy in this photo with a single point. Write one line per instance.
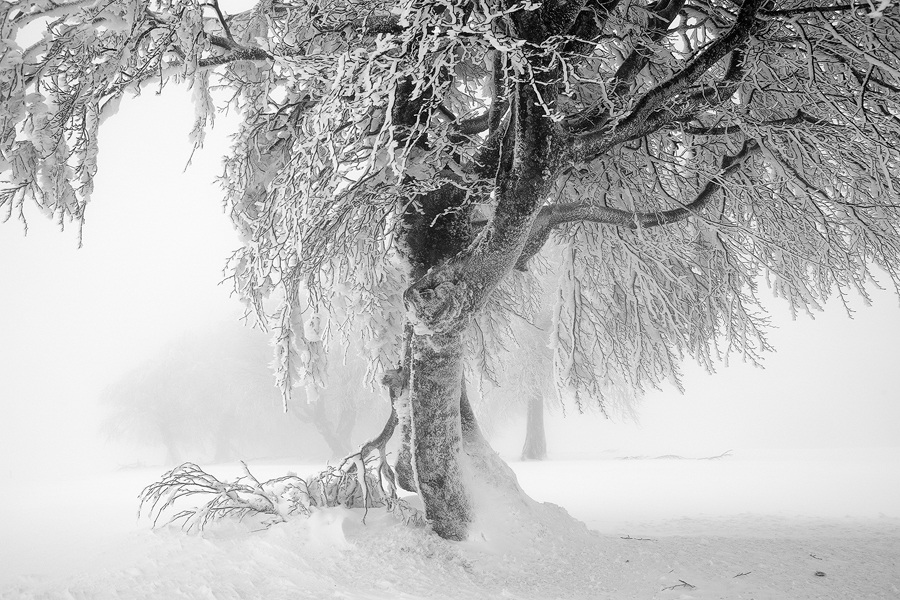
(397, 161)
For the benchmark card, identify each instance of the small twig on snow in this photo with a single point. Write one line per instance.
(683, 584)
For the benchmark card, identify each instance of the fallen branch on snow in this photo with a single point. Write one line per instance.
(683, 584)
(354, 484)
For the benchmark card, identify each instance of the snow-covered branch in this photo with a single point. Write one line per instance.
(556, 215)
(640, 120)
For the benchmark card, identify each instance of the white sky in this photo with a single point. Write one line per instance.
(155, 243)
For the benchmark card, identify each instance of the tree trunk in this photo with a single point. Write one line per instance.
(337, 437)
(173, 456)
(535, 439)
(435, 389)
(451, 278)
(449, 452)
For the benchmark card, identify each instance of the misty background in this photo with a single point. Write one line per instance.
(147, 289)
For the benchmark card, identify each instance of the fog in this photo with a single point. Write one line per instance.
(75, 321)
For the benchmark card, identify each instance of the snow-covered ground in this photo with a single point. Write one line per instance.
(754, 524)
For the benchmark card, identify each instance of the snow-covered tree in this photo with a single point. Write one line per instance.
(396, 161)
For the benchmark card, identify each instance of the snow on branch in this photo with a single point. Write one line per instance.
(278, 498)
(638, 122)
(596, 213)
(355, 484)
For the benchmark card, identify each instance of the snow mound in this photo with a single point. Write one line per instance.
(548, 555)
(518, 549)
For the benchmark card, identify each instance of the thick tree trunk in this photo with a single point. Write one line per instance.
(435, 389)
(450, 453)
(535, 439)
(452, 275)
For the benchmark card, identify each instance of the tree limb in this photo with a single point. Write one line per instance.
(800, 117)
(367, 25)
(553, 216)
(662, 14)
(237, 52)
(805, 10)
(661, 17)
(473, 125)
(645, 116)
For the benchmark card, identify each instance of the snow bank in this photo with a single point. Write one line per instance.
(662, 547)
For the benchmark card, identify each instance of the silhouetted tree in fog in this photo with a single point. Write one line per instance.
(212, 393)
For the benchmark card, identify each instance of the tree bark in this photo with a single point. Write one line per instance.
(452, 275)
(435, 389)
(535, 447)
(397, 382)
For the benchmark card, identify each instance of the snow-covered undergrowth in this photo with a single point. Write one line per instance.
(808, 513)
(354, 484)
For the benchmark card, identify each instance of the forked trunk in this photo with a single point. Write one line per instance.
(442, 452)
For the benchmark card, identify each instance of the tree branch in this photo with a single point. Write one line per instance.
(800, 117)
(588, 27)
(644, 117)
(661, 16)
(559, 16)
(473, 125)
(368, 25)
(237, 52)
(804, 10)
(553, 216)
(222, 20)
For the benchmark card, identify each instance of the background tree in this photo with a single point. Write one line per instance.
(396, 162)
(211, 394)
(512, 362)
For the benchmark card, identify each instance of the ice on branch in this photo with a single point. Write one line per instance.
(354, 484)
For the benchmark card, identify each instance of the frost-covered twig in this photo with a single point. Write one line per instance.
(281, 497)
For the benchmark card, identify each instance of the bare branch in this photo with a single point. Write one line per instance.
(556, 215)
(237, 52)
(805, 10)
(799, 118)
(639, 121)
(661, 17)
(566, 213)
